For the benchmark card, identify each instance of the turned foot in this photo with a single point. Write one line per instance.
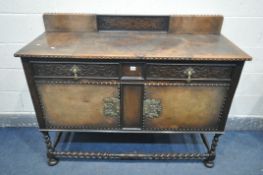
(52, 161)
(209, 163)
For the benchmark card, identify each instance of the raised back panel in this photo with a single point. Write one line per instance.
(181, 24)
(70, 22)
(196, 24)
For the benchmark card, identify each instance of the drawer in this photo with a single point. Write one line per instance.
(189, 72)
(76, 70)
(132, 71)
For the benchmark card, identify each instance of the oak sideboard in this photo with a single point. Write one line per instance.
(132, 74)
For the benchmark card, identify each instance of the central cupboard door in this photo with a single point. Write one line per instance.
(183, 106)
(89, 105)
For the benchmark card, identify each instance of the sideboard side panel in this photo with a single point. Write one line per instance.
(235, 79)
(33, 92)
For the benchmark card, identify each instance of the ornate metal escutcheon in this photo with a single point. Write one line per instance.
(75, 69)
(189, 72)
(152, 108)
(111, 107)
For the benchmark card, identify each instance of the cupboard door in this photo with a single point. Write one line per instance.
(175, 106)
(80, 105)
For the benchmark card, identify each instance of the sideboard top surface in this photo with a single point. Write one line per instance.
(126, 44)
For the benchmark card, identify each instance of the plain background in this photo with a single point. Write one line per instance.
(21, 22)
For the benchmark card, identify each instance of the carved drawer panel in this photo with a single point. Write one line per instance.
(175, 106)
(189, 72)
(80, 105)
(76, 70)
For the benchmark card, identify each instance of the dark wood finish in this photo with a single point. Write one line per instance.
(69, 22)
(132, 70)
(191, 24)
(33, 92)
(64, 69)
(153, 80)
(52, 160)
(132, 106)
(133, 46)
(200, 71)
(209, 162)
(132, 156)
(235, 80)
(148, 23)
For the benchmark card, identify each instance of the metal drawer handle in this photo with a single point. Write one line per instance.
(75, 69)
(189, 72)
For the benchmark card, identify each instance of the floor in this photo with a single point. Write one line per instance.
(23, 152)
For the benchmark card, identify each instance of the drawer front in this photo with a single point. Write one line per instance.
(132, 71)
(76, 70)
(79, 105)
(188, 71)
(182, 107)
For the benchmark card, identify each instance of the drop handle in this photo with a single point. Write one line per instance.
(75, 69)
(189, 72)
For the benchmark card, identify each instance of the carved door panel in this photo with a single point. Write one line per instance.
(80, 105)
(184, 106)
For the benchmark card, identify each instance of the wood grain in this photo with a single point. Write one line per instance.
(190, 37)
(133, 45)
(187, 107)
(132, 98)
(195, 24)
(70, 23)
(77, 105)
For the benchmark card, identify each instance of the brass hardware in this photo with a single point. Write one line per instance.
(189, 72)
(152, 108)
(75, 69)
(111, 107)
